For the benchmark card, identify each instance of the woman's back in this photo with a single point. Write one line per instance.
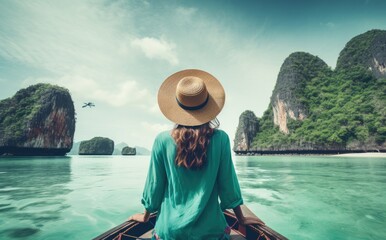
(187, 199)
(191, 167)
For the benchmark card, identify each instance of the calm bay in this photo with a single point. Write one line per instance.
(301, 197)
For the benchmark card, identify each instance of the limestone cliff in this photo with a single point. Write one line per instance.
(97, 146)
(38, 120)
(314, 109)
(295, 72)
(129, 151)
(246, 131)
(367, 50)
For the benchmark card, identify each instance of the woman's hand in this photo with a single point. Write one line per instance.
(251, 220)
(140, 217)
(245, 220)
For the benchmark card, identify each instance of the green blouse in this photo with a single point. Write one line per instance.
(187, 200)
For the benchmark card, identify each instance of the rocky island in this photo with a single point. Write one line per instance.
(246, 131)
(38, 120)
(129, 151)
(97, 146)
(315, 109)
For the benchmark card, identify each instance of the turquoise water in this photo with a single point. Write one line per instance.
(79, 197)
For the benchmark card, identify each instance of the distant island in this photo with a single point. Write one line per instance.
(117, 149)
(96, 146)
(128, 151)
(315, 109)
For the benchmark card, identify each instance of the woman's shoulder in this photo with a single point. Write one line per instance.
(218, 133)
(164, 133)
(164, 137)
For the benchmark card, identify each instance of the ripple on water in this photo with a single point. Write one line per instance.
(7, 209)
(20, 232)
(9, 189)
(41, 204)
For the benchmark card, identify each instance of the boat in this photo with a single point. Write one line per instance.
(130, 230)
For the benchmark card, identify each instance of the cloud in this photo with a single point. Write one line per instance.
(186, 13)
(125, 93)
(88, 89)
(155, 108)
(43, 36)
(156, 127)
(157, 49)
(328, 24)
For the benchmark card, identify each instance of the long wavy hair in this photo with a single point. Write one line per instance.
(192, 143)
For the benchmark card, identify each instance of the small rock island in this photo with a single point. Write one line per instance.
(129, 151)
(97, 146)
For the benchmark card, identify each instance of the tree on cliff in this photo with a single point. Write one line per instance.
(344, 109)
(38, 120)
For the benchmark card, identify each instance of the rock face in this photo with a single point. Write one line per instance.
(38, 120)
(246, 131)
(366, 50)
(314, 109)
(97, 146)
(296, 70)
(129, 151)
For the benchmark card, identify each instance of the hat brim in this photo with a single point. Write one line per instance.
(169, 107)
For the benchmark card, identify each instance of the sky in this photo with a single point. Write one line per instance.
(116, 54)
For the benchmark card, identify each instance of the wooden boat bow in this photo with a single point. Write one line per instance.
(134, 230)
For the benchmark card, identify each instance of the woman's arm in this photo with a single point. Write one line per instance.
(153, 192)
(239, 214)
(141, 217)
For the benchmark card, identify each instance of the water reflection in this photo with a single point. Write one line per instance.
(258, 183)
(32, 194)
(316, 197)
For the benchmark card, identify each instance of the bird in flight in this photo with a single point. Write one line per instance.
(88, 104)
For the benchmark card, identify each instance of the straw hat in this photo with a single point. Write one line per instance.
(191, 97)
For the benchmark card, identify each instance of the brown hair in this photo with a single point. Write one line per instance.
(192, 143)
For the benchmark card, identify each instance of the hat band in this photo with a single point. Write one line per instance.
(194, 107)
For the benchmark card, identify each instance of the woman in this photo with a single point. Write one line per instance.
(191, 167)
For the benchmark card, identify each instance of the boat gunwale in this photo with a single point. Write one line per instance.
(250, 231)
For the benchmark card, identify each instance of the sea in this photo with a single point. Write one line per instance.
(301, 197)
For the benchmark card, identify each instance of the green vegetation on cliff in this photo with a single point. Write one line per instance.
(361, 49)
(17, 111)
(246, 131)
(40, 116)
(294, 74)
(96, 146)
(346, 108)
